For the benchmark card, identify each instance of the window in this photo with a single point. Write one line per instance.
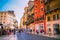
(56, 28)
(36, 6)
(41, 1)
(55, 17)
(36, 12)
(1, 16)
(41, 25)
(42, 17)
(48, 8)
(48, 18)
(42, 9)
(4, 16)
(3, 22)
(37, 19)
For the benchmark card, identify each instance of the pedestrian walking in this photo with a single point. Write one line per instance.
(20, 31)
(14, 31)
(37, 31)
(8, 33)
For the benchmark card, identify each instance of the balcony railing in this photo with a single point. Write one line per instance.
(31, 8)
(30, 19)
(29, 22)
(47, 1)
(51, 10)
(40, 19)
(31, 15)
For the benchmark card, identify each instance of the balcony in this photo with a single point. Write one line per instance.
(52, 10)
(47, 9)
(29, 22)
(37, 19)
(30, 19)
(31, 8)
(30, 15)
(48, 1)
(55, 9)
(40, 19)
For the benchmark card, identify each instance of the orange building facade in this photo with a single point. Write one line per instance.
(39, 16)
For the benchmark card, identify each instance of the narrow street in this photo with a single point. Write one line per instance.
(28, 36)
(29, 20)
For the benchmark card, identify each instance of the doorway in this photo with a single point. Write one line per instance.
(56, 29)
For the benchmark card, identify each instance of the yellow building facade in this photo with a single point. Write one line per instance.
(24, 19)
(21, 23)
(28, 17)
(53, 17)
(31, 14)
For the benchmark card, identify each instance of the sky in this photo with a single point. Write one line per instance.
(16, 5)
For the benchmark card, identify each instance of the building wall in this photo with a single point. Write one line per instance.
(54, 9)
(21, 22)
(50, 23)
(2, 17)
(26, 13)
(38, 12)
(31, 13)
(7, 18)
(24, 18)
(51, 15)
(30, 5)
(31, 26)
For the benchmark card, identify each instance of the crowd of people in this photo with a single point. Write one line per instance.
(7, 31)
(10, 31)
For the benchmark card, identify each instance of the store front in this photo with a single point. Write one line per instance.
(56, 29)
(49, 29)
(37, 28)
(41, 28)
